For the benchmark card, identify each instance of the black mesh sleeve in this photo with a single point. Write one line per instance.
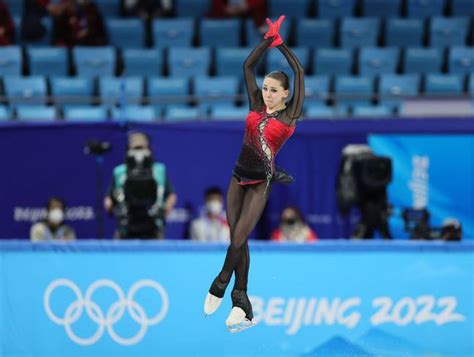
(295, 107)
(254, 93)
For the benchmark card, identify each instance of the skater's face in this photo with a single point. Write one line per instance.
(274, 95)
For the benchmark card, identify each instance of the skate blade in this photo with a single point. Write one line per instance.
(244, 325)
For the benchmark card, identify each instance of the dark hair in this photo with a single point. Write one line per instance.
(298, 212)
(214, 190)
(280, 76)
(55, 199)
(135, 132)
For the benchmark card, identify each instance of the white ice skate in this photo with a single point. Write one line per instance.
(211, 304)
(236, 321)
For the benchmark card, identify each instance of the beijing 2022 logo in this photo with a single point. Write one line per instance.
(106, 319)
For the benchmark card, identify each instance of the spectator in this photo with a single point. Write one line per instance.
(254, 9)
(141, 195)
(7, 26)
(212, 225)
(53, 228)
(293, 227)
(32, 27)
(79, 23)
(147, 9)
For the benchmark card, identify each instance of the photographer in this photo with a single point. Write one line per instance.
(141, 196)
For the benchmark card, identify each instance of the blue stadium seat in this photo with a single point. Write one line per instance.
(359, 32)
(373, 60)
(462, 8)
(10, 61)
(108, 8)
(422, 60)
(192, 8)
(94, 61)
(351, 90)
(209, 91)
(86, 113)
(315, 33)
(168, 91)
(115, 90)
(4, 113)
(292, 9)
(470, 88)
(461, 60)
(229, 112)
(143, 62)
(333, 61)
(333, 9)
(277, 62)
(443, 84)
(393, 88)
(135, 113)
(381, 8)
(51, 61)
(187, 62)
(15, 7)
(25, 90)
(218, 33)
(323, 111)
(425, 8)
(35, 113)
(253, 36)
(371, 111)
(316, 89)
(126, 33)
(179, 113)
(404, 32)
(448, 31)
(173, 32)
(229, 61)
(72, 90)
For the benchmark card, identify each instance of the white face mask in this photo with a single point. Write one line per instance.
(56, 216)
(214, 207)
(139, 154)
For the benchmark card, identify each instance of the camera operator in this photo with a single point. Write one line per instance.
(362, 182)
(141, 195)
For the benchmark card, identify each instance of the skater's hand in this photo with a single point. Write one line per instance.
(108, 204)
(273, 31)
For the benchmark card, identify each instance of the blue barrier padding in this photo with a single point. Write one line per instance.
(341, 246)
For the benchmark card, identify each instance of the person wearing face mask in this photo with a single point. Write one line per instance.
(141, 194)
(53, 227)
(293, 227)
(212, 225)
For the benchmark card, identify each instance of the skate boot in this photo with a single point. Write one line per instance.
(241, 315)
(214, 296)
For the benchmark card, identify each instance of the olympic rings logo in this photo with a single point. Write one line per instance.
(114, 313)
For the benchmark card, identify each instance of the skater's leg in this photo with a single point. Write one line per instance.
(235, 199)
(254, 202)
(242, 270)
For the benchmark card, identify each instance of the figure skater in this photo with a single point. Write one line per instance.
(270, 122)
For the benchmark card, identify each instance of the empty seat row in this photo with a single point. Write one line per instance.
(207, 92)
(350, 33)
(302, 8)
(188, 62)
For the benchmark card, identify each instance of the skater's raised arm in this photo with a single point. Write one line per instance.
(295, 107)
(254, 93)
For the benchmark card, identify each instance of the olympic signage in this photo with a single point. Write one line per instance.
(138, 299)
(105, 320)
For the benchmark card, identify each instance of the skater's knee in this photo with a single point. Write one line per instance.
(238, 243)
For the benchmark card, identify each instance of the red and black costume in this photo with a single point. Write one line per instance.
(266, 133)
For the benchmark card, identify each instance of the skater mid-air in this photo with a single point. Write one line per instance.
(270, 122)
